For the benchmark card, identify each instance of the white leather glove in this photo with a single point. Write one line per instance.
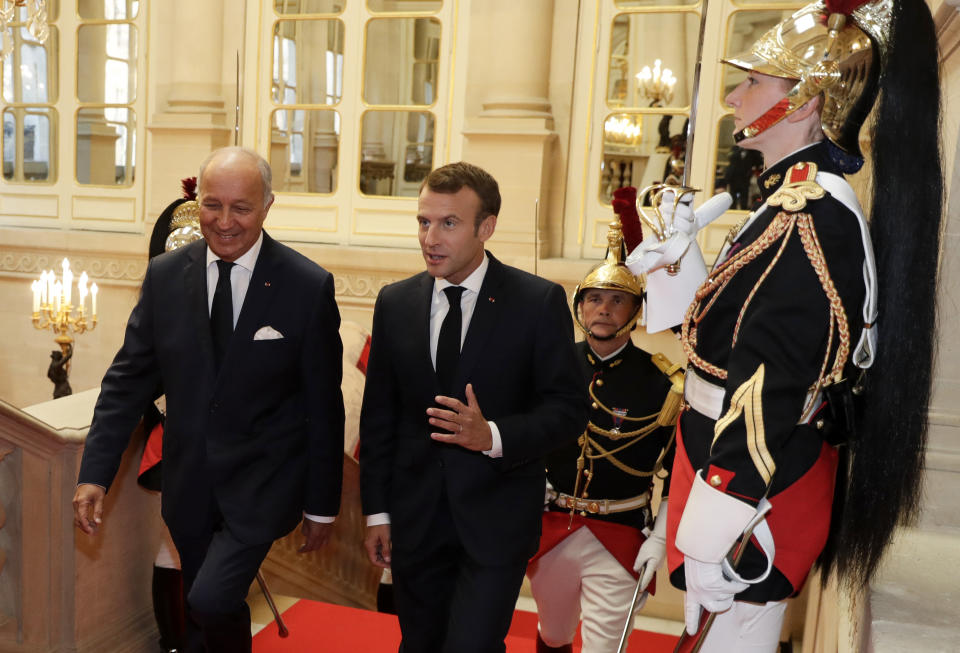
(706, 587)
(653, 550)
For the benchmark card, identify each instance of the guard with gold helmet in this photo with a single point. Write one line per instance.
(794, 339)
(598, 519)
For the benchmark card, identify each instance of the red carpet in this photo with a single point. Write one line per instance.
(335, 629)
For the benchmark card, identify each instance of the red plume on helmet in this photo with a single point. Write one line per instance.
(625, 205)
(189, 186)
(845, 7)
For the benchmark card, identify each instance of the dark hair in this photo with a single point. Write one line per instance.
(887, 458)
(454, 176)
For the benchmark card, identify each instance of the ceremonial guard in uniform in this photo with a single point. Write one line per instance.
(780, 335)
(599, 488)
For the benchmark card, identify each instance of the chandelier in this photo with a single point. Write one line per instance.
(36, 21)
(622, 129)
(656, 84)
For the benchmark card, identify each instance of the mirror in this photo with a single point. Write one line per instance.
(106, 146)
(640, 150)
(308, 61)
(106, 63)
(29, 144)
(401, 61)
(308, 6)
(304, 149)
(404, 5)
(108, 9)
(638, 42)
(396, 152)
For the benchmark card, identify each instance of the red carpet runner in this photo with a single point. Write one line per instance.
(327, 628)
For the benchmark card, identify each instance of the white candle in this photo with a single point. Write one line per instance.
(67, 282)
(57, 295)
(42, 287)
(82, 289)
(51, 296)
(93, 299)
(35, 287)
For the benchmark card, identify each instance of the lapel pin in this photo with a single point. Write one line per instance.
(266, 283)
(491, 300)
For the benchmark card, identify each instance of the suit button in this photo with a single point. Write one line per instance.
(214, 406)
(440, 463)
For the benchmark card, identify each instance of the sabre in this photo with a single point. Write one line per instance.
(684, 188)
(281, 627)
(638, 594)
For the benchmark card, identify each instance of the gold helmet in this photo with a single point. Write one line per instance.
(611, 274)
(184, 226)
(831, 50)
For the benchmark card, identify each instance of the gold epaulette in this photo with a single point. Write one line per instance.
(674, 398)
(800, 184)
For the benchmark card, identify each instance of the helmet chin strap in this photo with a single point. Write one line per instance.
(774, 114)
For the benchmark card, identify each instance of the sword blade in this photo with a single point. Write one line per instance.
(694, 96)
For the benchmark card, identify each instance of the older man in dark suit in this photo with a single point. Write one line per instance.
(472, 379)
(241, 332)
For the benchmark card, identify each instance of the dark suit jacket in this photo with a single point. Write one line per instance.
(262, 440)
(519, 355)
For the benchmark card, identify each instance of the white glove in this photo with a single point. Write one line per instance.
(653, 550)
(706, 587)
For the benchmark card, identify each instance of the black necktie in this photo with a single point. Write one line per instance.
(221, 313)
(448, 344)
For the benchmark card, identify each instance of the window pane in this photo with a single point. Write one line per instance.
(646, 50)
(106, 146)
(309, 6)
(28, 141)
(308, 61)
(304, 150)
(640, 150)
(108, 9)
(396, 152)
(30, 71)
(400, 64)
(404, 5)
(99, 49)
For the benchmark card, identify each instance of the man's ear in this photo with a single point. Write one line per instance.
(487, 228)
(807, 109)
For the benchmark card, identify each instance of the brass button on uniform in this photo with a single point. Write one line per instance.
(600, 382)
(594, 405)
(715, 480)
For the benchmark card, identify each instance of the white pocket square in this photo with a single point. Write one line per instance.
(267, 333)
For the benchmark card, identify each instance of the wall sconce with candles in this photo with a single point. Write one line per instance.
(53, 309)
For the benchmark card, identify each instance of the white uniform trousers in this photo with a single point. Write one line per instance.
(579, 577)
(747, 628)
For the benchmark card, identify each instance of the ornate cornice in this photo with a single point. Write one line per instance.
(106, 266)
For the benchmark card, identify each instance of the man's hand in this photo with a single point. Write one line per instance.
(466, 424)
(88, 507)
(378, 546)
(317, 534)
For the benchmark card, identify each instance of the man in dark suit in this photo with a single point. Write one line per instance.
(241, 332)
(472, 379)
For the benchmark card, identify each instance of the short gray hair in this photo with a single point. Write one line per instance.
(263, 167)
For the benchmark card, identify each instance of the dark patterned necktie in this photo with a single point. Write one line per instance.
(221, 313)
(448, 344)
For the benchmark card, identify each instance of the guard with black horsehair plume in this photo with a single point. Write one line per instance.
(810, 344)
